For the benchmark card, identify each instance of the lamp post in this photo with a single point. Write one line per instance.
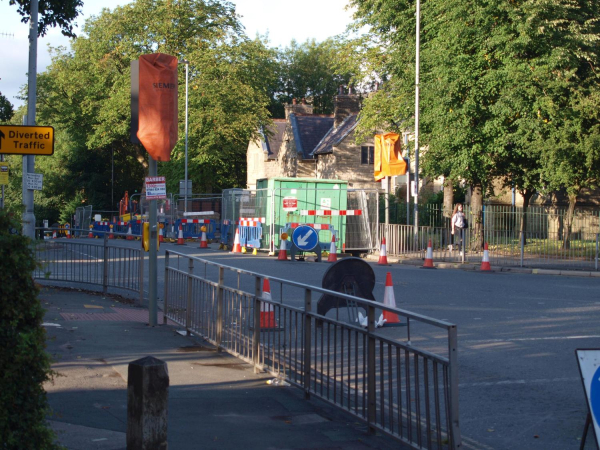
(187, 65)
(417, 68)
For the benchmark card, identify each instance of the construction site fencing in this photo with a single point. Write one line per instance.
(83, 219)
(94, 262)
(355, 222)
(377, 375)
(505, 248)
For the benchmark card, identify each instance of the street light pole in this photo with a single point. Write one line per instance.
(417, 69)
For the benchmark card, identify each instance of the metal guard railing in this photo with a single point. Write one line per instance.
(408, 392)
(94, 262)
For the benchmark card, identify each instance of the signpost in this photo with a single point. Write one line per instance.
(26, 140)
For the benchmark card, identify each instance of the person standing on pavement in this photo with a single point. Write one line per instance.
(458, 223)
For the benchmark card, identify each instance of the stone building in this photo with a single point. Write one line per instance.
(314, 146)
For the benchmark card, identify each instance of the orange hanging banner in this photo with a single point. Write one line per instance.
(388, 156)
(158, 113)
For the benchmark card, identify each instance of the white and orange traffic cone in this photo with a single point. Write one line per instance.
(111, 235)
(68, 233)
(54, 234)
(203, 240)
(161, 238)
(267, 313)
(429, 257)
(383, 254)
(237, 248)
(90, 234)
(332, 250)
(485, 261)
(282, 250)
(129, 236)
(389, 318)
(180, 240)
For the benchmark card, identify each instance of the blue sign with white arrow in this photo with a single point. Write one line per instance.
(305, 238)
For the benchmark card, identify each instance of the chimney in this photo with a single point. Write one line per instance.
(298, 108)
(345, 105)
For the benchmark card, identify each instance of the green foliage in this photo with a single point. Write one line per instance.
(6, 109)
(313, 71)
(509, 90)
(52, 13)
(25, 365)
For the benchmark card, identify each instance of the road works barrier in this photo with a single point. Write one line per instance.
(394, 386)
(99, 262)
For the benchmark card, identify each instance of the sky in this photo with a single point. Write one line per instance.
(283, 20)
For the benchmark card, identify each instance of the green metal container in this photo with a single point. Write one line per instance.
(287, 197)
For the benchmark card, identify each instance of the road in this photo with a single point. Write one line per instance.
(519, 382)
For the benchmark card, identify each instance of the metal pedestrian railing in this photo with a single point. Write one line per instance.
(378, 375)
(94, 262)
(506, 248)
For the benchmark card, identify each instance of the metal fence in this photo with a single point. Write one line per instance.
(94, 262)
(506, 248)
(377, 375)
(358, 232)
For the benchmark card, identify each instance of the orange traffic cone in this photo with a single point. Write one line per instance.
(383, 254)
(236, 243)
(180, 240)
(129, 233)
(203, 240)
(429, 257)
(90, 234)
(282, 250)
(111, 235)
(332, 250)
(54, 234)
(485, 262)
(267, 313)
(161, 238)
(389, 318)
(68, 233)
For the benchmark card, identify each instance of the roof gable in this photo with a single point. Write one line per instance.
(308, 132)
(335, 135)
(273, 137)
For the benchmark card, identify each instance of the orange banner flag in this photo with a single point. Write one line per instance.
(158, 113)
(388, 156)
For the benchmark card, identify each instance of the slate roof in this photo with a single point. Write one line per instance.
(308, 132)
(335, 135)
(271, 141)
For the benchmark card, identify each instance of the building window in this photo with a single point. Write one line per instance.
(367, 155)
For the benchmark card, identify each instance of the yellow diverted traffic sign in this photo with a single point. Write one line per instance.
(26, 140)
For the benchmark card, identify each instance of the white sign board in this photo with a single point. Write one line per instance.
(325, 203)
(589, 367)
(290, 204)
(34, 181)
(156, 188)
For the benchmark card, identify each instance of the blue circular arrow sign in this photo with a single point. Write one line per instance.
(305, 238)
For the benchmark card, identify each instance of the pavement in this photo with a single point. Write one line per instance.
(215, 400)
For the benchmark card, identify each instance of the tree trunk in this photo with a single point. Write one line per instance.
(569, 221)
(527, 194)
(476, 219)
(448, 198)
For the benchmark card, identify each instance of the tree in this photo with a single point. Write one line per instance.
(6, 109)
(86, 93)
(52, 13)
(507, 86)
(312, 71)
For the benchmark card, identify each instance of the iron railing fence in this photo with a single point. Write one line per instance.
(377, 375)
(540, 219)
(93, 262)
(505, 248)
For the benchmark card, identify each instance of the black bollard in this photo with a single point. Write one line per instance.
(147, 401)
